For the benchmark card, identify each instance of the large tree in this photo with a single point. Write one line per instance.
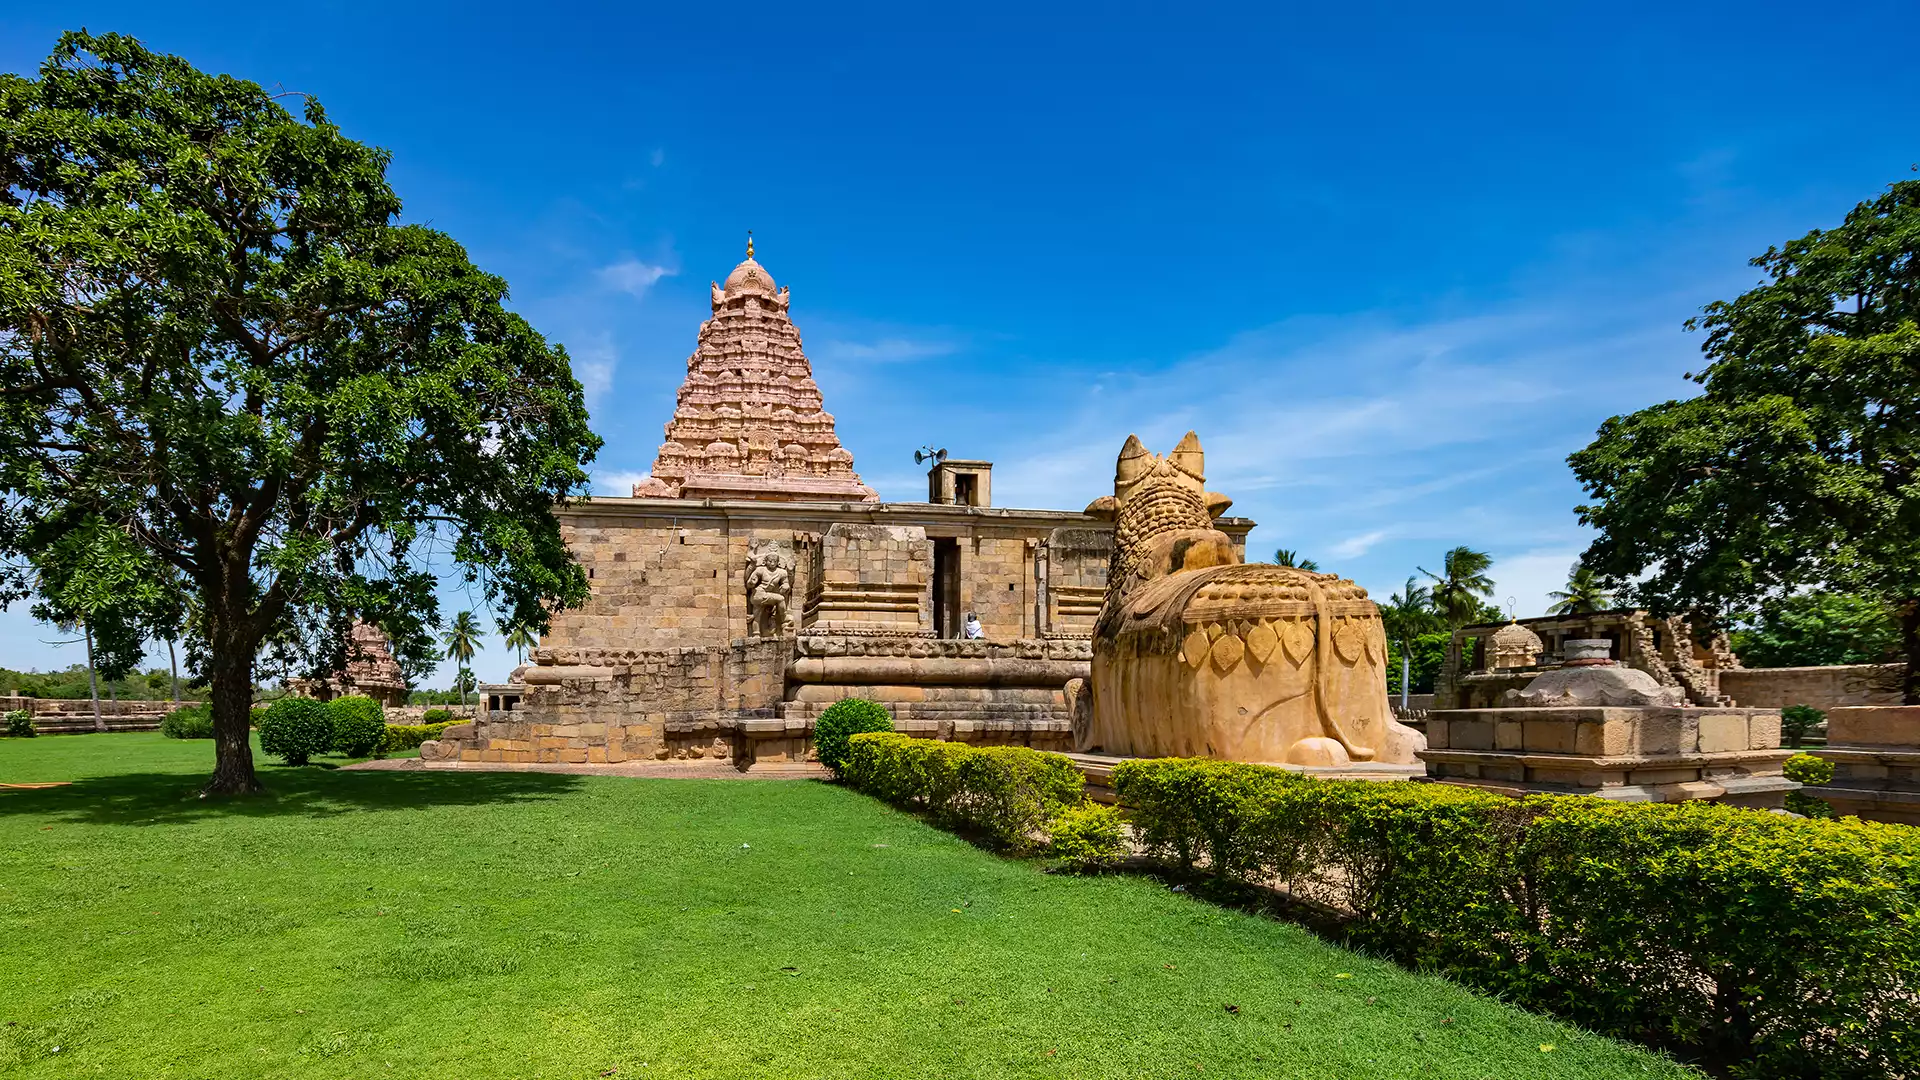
(218, 340)
(1458, 590)
(1799, 463)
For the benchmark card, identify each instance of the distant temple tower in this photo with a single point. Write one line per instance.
(750, 422)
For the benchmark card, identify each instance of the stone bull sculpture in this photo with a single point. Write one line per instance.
(1197, 654)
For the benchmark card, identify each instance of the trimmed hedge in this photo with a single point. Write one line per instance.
(1763, 944)
(294, 729)
(410, 736)
(436, 716)
(188, 722)
(359, 725)
(841, 721)
(1008, 794)
(1089, 836)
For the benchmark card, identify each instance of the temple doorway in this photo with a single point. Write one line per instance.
(946, 587)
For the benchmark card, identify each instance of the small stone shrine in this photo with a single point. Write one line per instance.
(370, 670)
(753, 579)
(1584, 724)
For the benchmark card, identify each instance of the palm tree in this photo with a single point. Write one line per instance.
(1457, 593)
(1290, 557)
(519, 638)
(1409, 612)
(1584, 592)
(460, 639)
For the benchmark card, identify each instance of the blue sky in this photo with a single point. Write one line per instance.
(1393, 262)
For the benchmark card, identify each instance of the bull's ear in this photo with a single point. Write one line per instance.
(1133, 463)
(1104, 507)
(1189, 458)
(1217, 504)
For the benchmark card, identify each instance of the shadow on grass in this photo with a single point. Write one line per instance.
(173, 798)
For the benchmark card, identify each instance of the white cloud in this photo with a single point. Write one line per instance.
(594, 362)
(618, 482)
(1355, 546)
(658, 157)
(632, 276)
(886, 350)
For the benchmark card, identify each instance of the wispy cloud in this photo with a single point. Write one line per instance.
(617, 483)
(658, 157)
(1355, 546)
(886, 350)
(594, 362)
(632, 276)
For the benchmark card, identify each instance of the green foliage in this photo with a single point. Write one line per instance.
(436, 716)
(1793, 468)
(1409, 613)
(841, 721)
(1760, 944)
(1458, 589)
(20, 725)
(255, 715)
(359, 725)
(1289, 557)
(1007, 794)
(154, 684)
(1584, 592)
(189, 722)
(1091, 836)
(1798, 721)
(1815, 629)
(295, 729)
(1428, 652)
(398, 737)
(224, 350)
(1807, 769)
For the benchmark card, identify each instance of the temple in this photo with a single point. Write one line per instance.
(753, 580)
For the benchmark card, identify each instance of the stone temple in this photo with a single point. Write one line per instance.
(753, 579)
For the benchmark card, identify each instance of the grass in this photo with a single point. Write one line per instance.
(474, 925)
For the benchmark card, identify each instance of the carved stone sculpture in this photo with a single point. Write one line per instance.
(1196, 654)
(770, 590)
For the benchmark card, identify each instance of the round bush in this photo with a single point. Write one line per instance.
(1089, 836)
(359, 725)
(20, 725)
(189, 722)
(1808, 769)
(841, 721)
(435, 716)
(294, 729)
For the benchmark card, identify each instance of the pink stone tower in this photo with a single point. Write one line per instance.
(750, 422)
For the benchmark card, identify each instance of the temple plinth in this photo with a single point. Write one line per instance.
(750, 421)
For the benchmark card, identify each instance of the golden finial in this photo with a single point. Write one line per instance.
(749, 243)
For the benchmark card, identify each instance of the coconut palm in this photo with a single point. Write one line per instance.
(1290, 557)
(1584, 592)
(1409, 612)
(519, 637)
(460, 639)
(1457, 592)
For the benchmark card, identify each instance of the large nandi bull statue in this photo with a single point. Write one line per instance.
(1197, 654)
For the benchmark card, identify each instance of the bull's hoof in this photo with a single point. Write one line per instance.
(1318, 752)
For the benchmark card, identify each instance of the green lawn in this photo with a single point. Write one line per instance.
(428, 924)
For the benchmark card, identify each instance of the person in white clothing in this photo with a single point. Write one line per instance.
(973, 630)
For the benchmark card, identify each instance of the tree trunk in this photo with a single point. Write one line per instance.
(173, 664)
(93, 680)
(231, 693)
(1910, 648)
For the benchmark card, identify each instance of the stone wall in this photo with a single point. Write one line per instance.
(1821, 687)
(870, 579)
(1076, 580)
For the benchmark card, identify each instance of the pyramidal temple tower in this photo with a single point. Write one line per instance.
(749, 423)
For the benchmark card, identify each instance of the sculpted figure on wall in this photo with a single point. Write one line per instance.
(770, 590)
(1196, 654)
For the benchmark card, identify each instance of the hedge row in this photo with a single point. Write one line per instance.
(410, 736)
(1768, 945)
(1009, 794)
